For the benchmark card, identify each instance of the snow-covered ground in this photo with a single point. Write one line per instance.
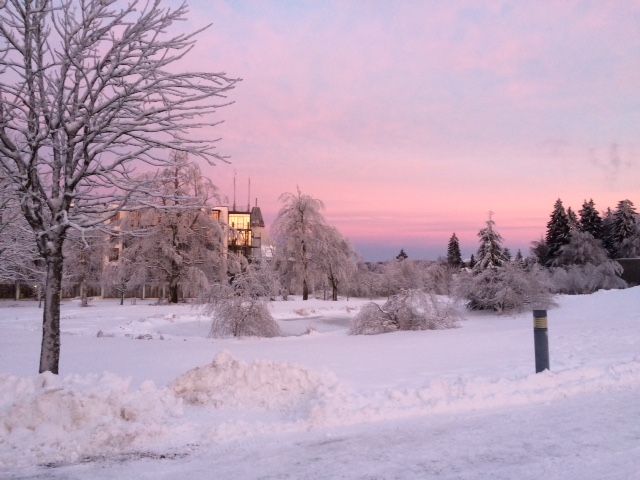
(145, 394)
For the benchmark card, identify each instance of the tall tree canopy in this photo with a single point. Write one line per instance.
(298, 231)
(590, 220)
(624, 231)
(490, 253)
(88, 89)
(558, 230)
(454, 257)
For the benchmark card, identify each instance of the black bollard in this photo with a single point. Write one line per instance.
(541, 340)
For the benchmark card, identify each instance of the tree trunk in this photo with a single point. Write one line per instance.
(173, 291)
(50, 352)
(334, 293)
(305, 290)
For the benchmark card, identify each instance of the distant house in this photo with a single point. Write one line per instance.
(244, 229)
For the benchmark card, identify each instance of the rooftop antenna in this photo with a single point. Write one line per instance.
(234, 191)
(249, 197)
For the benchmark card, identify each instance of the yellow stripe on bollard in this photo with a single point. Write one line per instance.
(540, 322)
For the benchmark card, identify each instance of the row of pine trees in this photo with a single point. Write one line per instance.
(618, 232)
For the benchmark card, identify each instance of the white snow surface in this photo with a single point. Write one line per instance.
(144, 393)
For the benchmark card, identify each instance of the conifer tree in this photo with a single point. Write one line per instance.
(519, 258)
(558, 231)
(472, 261)
(590, 221)
(573, 220)
(607, 232)
(402, 255)
(454, 258)
(490, 253)
(624, 227)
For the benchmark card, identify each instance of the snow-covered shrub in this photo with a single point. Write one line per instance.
(583, 279)
(242, 317)
(237, 313)
(584, 267)
(508, 288)
(407, 310)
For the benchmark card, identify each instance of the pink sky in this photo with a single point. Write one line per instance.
(412, 120)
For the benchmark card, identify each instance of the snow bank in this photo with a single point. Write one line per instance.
(230, 383)
(477, 394)
(52, 420)
(48, 419)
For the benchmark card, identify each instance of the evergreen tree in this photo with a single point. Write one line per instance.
(490, 253)
(402, 255)
(472, 261)
(540, 251)
(454, 258)
(507, 254)
(558, 231)
(608, 240)
(624, 229)
(573, 220)
(590, 221)
(519, 258)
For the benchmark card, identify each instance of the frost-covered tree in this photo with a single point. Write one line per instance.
(89, 90)
(590, 220)
(239, 308)
(365, 282)
(490, 252)
(572, 218)
(586, 267)
(519, 258)
(508, 288)
(20, 260)
(337, 259)
(608, 237)
(84, 260)
(257, 279)
(407, 310)
(582, 249)
(401, 275)
(298, 232)
(578, 279)
(558, 231)
(454, 258)
(624, 230)
(540, 252)
(175, 242)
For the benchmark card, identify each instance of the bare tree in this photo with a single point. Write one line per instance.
(88, 88)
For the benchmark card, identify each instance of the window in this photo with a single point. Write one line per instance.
(240, 221)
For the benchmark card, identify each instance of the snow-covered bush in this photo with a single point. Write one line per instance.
(236, 312)
(407, 310)
(242, 317)
(584, 267)
(508, 288)
(582, 279)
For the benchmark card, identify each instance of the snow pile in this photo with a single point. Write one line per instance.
(50, 419)
(230, 383)
(474, 394)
